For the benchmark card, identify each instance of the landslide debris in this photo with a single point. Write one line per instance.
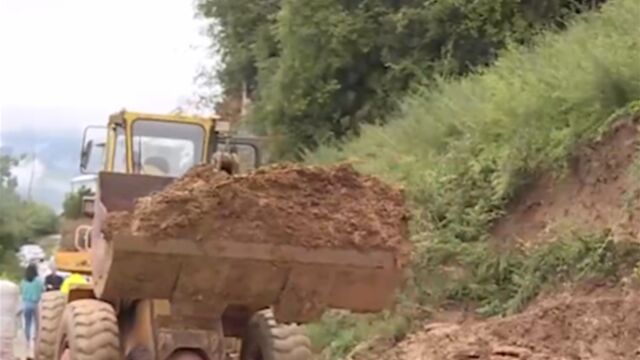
(314, 207)
(566, 326)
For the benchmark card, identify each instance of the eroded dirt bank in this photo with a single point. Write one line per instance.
(599, 191)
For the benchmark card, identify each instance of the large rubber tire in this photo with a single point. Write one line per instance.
(49, 318)
(268, 340)
(89, 332)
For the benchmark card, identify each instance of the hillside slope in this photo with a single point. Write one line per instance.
(520, 177)
(599, 192)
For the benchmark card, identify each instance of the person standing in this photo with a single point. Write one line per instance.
(53, 281)
(31, 289)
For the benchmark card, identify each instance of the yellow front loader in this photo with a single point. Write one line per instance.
(179, 300)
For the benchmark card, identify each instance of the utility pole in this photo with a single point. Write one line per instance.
(32, 172)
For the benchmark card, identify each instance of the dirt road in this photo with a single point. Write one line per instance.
(20, 347)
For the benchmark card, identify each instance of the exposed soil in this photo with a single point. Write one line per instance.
(285, 204)
(565, 327)
(595, 195)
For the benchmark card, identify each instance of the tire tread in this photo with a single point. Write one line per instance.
(50, 313)
(92, 330)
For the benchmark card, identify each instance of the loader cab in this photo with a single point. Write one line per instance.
(161, 145)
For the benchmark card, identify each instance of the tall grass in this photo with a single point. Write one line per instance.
(463, 148)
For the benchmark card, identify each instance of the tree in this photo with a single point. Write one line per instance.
(318, 69)
(20, 220)
(7, 181)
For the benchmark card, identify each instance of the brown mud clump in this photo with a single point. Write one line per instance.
(314, 207)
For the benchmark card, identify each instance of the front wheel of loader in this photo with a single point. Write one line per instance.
(268, 340)
(185, 355)
(89, 332)
(49, 316)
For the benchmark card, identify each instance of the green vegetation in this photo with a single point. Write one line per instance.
(339, 335)
(465, 147)
(20, 220)
(506, 282)
(319, 69)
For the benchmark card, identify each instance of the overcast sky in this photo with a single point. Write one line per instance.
(80, 60)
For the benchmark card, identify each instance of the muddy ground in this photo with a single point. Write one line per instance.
(563, 327)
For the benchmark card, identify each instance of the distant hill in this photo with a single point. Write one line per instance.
(52, 160)
(51, 135)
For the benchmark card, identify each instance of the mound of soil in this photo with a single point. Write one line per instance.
(565, 327)
(315, 207)
(597, 194)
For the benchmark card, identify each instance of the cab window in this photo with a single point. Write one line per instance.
(120, 156)
(166, 148)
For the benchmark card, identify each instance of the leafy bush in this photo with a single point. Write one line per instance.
(20, 220)
(10, 267)
(506, 282)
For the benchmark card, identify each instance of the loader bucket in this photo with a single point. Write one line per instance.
(300, 283)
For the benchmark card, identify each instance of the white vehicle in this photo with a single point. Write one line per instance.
(29, 254)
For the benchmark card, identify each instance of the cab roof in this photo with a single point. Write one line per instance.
(125, 115)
